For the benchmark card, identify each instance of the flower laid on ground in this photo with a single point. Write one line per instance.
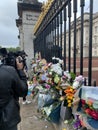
(52, 110)
(89, 109)
(76, 123)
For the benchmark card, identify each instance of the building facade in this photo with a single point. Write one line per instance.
(85, 36)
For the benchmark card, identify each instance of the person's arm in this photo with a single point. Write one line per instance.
(20, 87)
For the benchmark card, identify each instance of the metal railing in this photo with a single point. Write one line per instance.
(58, 33)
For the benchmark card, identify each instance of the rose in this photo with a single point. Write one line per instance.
(88, 111)
(94, 114)
(83, 102)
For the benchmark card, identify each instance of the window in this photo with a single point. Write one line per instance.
(96, 39)
(96, 29)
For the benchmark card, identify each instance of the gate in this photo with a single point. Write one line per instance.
(61, 32)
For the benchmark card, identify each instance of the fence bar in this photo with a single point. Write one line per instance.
(75, 12)
(90, 45)
(69, 38)
(50, 43)
(85, 81)
(94, 83)
(58, 30)
(61, 33)
(55, 30)
(82, 4)
(43, 43)
(65, 19)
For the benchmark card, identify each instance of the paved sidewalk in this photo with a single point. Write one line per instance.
(31, 119)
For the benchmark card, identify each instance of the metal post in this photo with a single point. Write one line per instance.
(90, 45)
(75, 12)
(82, 4)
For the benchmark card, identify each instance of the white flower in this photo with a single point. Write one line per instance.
(50, 72)
(53, 58)
(66, 122)
(56, 68)
(48, 110)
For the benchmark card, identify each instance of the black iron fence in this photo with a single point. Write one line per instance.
(62, 34)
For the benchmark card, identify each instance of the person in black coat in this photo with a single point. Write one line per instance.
(13, 85)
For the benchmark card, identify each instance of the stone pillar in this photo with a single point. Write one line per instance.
(28, 11)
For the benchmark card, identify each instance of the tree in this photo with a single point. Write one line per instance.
(11, 49)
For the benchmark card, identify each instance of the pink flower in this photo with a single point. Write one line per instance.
(83, 102)
(47, 86)
(94, 114)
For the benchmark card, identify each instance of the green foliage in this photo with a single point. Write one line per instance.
(11, 49)
(72, 75)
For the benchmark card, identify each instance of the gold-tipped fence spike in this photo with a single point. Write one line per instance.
(45, 7)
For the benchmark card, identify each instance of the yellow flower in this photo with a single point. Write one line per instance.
(71, 90)
(57, 87)
(69, 105)
(62, 98)
(64, 129)
(69, 101)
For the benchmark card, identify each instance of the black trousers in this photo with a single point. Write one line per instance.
(24, 98)
(12, 128)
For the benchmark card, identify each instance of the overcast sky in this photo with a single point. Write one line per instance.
(8, 29)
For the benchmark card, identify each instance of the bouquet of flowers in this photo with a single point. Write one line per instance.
(89, 101)
(90, 109)
(52, 111)
(69, 95)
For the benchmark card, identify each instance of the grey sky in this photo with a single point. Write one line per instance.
(8, 29)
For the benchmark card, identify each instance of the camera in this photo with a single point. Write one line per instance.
(10, 58)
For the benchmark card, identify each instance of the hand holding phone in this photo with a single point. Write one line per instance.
(19, 62)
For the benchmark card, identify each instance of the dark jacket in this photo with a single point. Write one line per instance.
(12, 86)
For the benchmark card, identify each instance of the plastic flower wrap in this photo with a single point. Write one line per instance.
(52, 111)
(78, 82)
(89, 101)
(88, 107)
(67, 75)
